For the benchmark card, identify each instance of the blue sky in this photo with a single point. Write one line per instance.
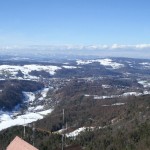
(74, 22)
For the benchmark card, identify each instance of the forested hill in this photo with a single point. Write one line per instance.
(117, 127)
(107, 99)
(120, 123)
(11, 92)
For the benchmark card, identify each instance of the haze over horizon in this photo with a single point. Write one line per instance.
(87, 27)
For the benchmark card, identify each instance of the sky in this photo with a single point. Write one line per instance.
(100, 23)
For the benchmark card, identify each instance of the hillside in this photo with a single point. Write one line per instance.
(82, 109)
(105, 102)
(11, 92)
(116, 126)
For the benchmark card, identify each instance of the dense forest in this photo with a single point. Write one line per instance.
(129, 130)
(116, 127)
(11, 92)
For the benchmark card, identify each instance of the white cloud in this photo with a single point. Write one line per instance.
(117, 46)
(107, 47)
(76, 47)
(142, 46)
(114, 50)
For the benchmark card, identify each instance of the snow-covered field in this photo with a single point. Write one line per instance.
(9, 119)
(105, 62)
(144, 83)
(145, 65)
(34, 112)
(11, 70)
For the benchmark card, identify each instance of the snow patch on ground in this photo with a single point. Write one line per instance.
(109, 62)
(105, 97)
(117, 96)
(44, 92)
(87, 95)
(131, 93)
(145, 65)
(8, 120)
(34, 112)
(118, 104)
(38, 108)
(82, 62)
(105, 86)
(29, 96)
(115, 104)
(105, 62)
(78, 131)
(45, 112)
(144, 83)
(5, 117)
(146, 92)
(69, 67)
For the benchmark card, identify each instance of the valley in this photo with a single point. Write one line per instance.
(95, 94)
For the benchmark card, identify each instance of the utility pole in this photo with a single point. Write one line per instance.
(63, 128)
(62, 142)
(63, 117)
(24, 130)
(66, 129)
(33, 129)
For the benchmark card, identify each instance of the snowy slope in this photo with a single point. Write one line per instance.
(12, 70)
(105, 62)
(34, 112)
(8, 120)
(78, 131)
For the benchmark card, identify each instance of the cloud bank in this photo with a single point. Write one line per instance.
(115, 50)
(78, 47)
